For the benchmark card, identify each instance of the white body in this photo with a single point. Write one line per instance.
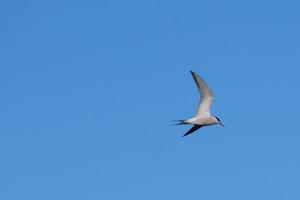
(203, 116)
(202, 120)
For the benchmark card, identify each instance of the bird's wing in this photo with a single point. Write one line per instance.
(193, 129)
(206, 95)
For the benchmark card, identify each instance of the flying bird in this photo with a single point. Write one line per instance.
(203, 116)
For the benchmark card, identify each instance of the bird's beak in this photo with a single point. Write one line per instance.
(222, 124)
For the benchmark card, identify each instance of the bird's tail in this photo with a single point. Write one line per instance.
(180, 122)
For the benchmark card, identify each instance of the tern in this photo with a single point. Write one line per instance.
(203, 116)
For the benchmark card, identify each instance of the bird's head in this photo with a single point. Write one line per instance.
(219, 121)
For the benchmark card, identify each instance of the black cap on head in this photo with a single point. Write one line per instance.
(218, 118)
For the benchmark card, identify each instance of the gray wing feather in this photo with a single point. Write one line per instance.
(206, 95)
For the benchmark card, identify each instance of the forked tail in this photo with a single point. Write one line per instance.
(180, 122)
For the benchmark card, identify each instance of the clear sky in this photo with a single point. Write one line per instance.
(89, 90)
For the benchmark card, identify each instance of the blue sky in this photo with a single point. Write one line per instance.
(89, 90)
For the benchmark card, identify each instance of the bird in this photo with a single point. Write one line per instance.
(203, 116)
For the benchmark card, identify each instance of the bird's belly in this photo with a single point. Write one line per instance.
(201, 121)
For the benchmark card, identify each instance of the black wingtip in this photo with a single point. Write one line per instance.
(193, 129)
(194, 74)
(186, 134)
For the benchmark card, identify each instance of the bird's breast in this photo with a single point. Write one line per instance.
(201, 120)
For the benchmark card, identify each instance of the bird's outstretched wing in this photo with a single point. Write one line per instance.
(193, 129)
(206, 95)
